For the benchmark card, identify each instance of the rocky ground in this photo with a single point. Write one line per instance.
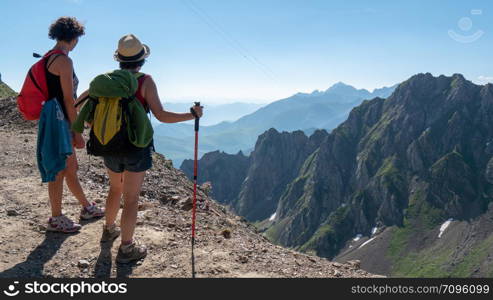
(226, 245)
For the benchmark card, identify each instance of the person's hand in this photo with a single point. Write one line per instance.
(198, 110)
(79, 142)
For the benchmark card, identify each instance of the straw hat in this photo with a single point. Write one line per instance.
(130, 49)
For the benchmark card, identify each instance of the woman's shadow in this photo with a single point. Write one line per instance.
(33, 266)
(104, 264)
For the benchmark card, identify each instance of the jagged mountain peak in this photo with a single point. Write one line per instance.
(423, 80)
(424, 91)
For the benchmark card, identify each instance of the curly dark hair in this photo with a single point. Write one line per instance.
(66, 29)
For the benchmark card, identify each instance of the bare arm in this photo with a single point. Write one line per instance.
(149, 91)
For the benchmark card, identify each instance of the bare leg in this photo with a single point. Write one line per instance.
(55, 193)
(73, 180)
(114, 196)
(132, 184)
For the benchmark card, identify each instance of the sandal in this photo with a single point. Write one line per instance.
(91, 211)
(62, 224)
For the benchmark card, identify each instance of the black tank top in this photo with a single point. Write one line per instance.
(55, 86)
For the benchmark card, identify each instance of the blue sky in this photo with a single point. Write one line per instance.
(259, 50)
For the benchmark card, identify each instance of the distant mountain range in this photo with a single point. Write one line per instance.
(302, 111)
(404, 184)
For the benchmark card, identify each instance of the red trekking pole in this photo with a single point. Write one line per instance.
(194, 184)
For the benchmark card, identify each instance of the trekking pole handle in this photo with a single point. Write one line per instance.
(195, 115)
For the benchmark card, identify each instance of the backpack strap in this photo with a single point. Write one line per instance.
(47, 56)
(52, 61)
(141, 77)
(81, 101)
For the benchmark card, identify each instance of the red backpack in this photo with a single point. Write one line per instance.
(34, 91)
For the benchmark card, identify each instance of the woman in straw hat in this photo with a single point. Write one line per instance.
(127, 173)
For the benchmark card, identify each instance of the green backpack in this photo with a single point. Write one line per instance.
(119, 123)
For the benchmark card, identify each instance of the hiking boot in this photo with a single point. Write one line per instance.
(91, 211)
(130, 252)
(62, 224)
(110, 233)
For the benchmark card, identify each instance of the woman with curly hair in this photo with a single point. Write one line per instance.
(62, 85)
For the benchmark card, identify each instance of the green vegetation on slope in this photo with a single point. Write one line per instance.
(422, 212)
(322, 231)
(426, 263)
(474, 259)
(274, 232)
(333, 232)
(420, 217)
(434, 261)
(6, 91)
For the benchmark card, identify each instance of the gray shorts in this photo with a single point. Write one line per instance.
(135, 162)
